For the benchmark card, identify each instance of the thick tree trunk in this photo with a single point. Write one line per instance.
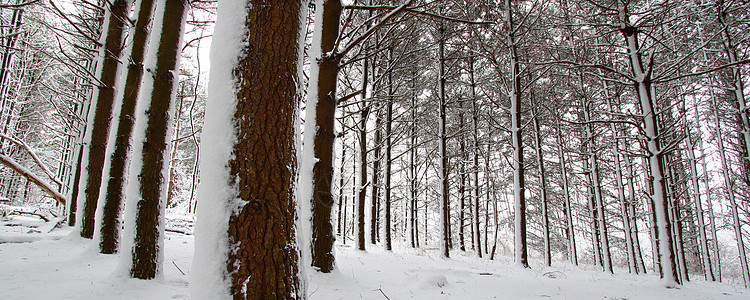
(254, 182)
(100, 122)
(116, 179)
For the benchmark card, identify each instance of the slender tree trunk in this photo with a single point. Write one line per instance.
(152, 156)
(443, 167)
(516, 131)
(413, 225)
(319, 131)
(640, 266)
(572, 255)
(647, 97)
(475, 159)
(542, 191)
(729, 187)
(461, 180)
(621, 192)
(100, 123)
(341, 189)
(118, 169)
(363, 161)
(375, 194)
(388, 146)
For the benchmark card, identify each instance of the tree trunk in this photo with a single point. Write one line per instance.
(375, 194)
(100, 122)
(362, 189)
(116, 179)
(621, 190)
(516, 131)
(729, 188)
(647, 97)
(387, 174)
(572, 255)
(475, 160)
(254, 179)
(320, 136)
(151, 155)
(542, 190)
(442, 140)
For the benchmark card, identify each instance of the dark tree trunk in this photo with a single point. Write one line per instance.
(105, 98)
(147, 253)
(110, 223)
(263, 260)
(325, 112)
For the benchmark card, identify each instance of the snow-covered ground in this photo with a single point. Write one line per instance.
(35, 264)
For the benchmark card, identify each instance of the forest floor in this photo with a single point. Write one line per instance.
(36, 263)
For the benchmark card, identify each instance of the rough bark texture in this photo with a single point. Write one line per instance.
(151, 182)
(263, 259)
(103, 112)
(325, 112)
(263, 228)
(109, 238)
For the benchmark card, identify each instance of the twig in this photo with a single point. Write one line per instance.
(178, 268)
(384, 295)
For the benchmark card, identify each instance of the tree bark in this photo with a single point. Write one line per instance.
(320, 134)
(150, 198)
(258, 185)
(116, 182)
(113, 41)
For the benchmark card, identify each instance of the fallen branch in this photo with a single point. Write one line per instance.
(38, 161)
(10, 163)
(20, 212)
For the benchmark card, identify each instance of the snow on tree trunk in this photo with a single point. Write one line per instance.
(475, 161)
(112, 194)
(647, 99)
(143, 238)
(99, 121)
(316, 175)
(246, 235)
(516, 131)
(442, 136)
(572, 255)
(730, 191)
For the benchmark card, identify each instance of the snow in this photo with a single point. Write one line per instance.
(308, 159)
(215, 193)
(58, 265)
